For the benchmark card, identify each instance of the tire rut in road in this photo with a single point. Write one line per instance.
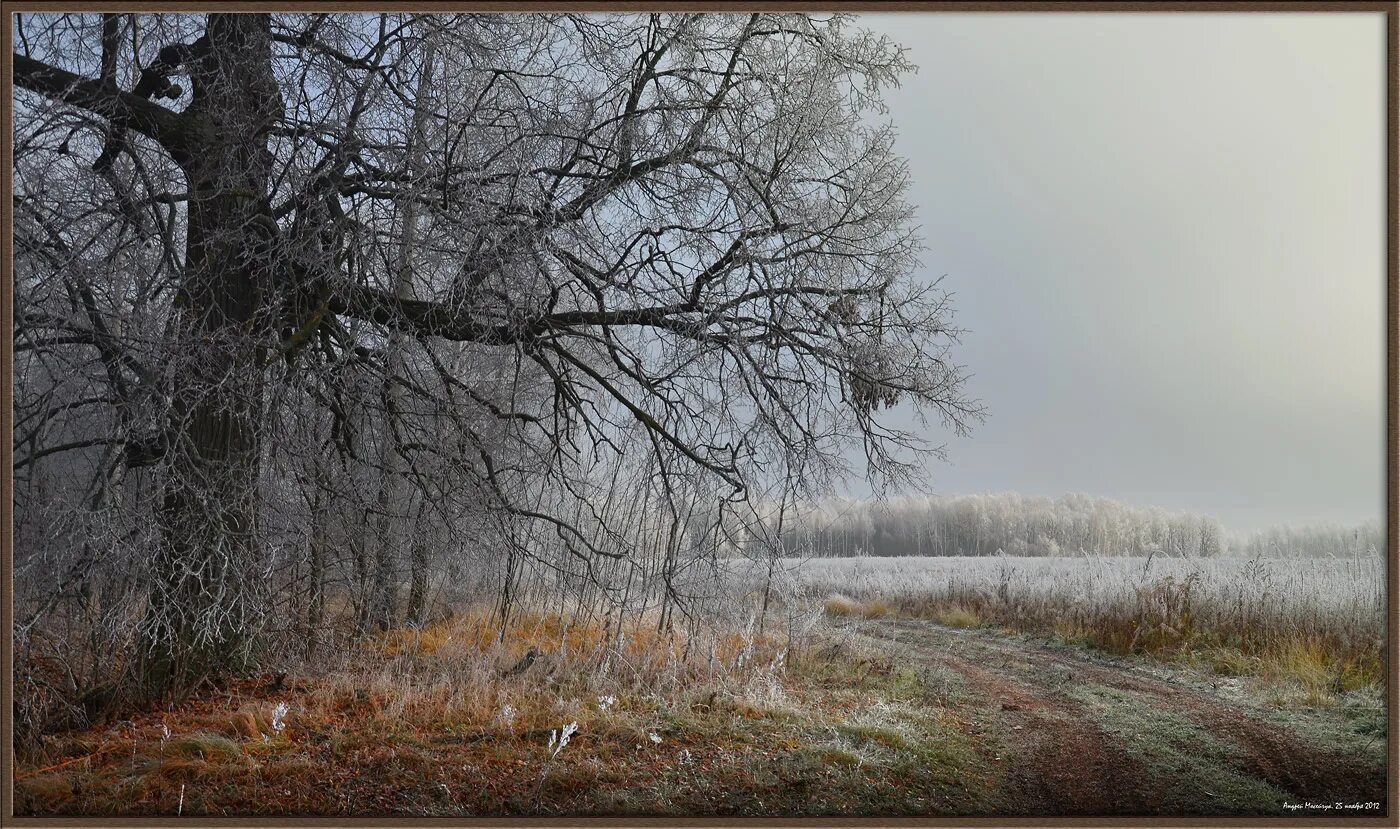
(1053, 757)
(1268, 752)
(1073, 760)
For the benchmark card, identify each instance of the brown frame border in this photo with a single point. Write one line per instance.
(1391, 10)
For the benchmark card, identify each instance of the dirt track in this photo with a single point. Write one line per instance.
(1072, 733)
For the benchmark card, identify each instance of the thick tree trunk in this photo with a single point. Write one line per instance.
(201, 604)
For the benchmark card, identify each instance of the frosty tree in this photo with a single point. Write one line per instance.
(424, 271)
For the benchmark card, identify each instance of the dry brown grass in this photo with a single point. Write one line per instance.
(458, 670)
(412, 713)
(957, 616)
(840, 606)
(1163, 618)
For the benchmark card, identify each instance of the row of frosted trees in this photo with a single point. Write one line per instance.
(1021, 525)
(1316, 541)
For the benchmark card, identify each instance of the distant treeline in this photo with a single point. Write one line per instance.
(1021, 525)
(1318, 541)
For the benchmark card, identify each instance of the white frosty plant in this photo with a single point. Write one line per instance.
(559, 739)
(606, 702)
(508, 713)
(279, 712)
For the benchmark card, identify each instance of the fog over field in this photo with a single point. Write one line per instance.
(1169, 256)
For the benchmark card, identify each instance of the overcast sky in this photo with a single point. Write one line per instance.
(1166, 234)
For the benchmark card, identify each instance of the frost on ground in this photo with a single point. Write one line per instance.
(928, 687)
(1317, 626)
(877, 717)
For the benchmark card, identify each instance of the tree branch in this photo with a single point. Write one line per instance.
(106, 100)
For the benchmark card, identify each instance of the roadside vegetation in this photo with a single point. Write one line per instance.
(1312, 630)
(847, 707)
(545, 716)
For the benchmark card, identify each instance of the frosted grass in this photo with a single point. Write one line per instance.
(1315, 586)
(1342, 600)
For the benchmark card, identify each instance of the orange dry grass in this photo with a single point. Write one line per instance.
(444, 688)
(462, 671)
(875, 608)
(343, 750)
(1163, 620)
(478, 632)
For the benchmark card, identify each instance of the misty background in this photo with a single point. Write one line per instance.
(1165, 234)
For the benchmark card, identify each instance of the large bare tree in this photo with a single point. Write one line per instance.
(467, 255)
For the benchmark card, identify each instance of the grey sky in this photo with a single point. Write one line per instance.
(1166, 234)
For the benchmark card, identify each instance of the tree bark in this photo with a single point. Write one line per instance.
(201, 604)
